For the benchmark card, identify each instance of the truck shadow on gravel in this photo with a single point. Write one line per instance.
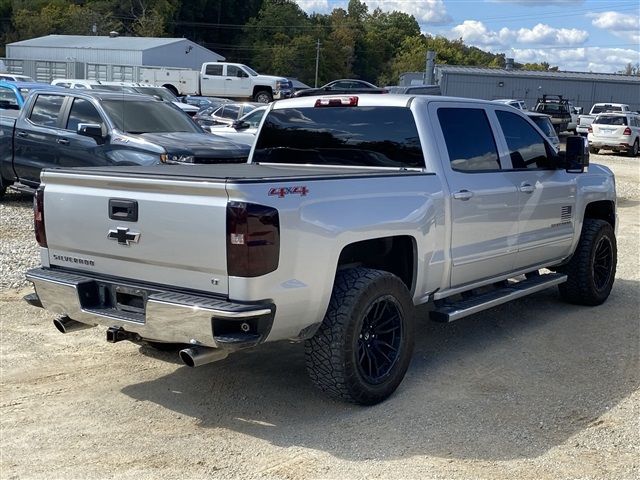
(508, 383)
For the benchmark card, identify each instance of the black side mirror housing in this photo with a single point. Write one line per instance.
(240, 125)
(91, 130)
(576, 154)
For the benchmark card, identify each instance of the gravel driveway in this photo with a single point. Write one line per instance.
(535, 389)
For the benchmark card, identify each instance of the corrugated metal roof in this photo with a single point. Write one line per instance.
(539, 74)
(98, 42)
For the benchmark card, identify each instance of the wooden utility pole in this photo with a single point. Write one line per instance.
(315, 85)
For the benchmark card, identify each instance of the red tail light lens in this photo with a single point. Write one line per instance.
(627, 131)
(38, 217)
(253, 239)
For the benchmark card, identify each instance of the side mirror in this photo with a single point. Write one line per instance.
(91, 130)
(576, 154)
(240, 125)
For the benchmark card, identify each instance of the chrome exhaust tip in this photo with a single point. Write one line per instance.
(67, 325)
(197, 356)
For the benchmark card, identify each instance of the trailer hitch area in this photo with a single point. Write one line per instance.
(118, 334)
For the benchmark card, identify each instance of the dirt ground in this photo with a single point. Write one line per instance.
(536, 389)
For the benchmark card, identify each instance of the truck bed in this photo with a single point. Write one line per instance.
(238, 173)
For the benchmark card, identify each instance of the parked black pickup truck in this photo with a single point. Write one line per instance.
(70, 129)
(557, 108)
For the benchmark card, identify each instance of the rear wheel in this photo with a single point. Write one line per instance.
(594, 150)
(592, 269)
(362, 350)
(633, 152)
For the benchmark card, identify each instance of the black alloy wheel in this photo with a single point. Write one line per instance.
(380, 339)
(602, 261)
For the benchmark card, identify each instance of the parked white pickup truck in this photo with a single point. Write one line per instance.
(352, 211)
(220, 79)
(585, 121)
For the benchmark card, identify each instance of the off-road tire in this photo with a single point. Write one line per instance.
(594, 150)
(263, 96)
(334, 355)
(584, 285)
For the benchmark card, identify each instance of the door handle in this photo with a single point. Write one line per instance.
(527, 188)
(22, 134)
(63, 141)
(463, 195)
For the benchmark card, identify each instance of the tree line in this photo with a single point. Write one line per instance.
(272, 36)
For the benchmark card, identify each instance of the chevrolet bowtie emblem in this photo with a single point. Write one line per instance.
(123, 236)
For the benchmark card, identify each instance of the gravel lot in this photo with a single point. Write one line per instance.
(536, 389)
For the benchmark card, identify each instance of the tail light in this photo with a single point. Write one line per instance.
(38, 217)
(627, 131)
(590, 130)
(253, 239)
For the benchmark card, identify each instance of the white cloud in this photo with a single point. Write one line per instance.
(584, 59)
(427, 12)
(310, 6)
(537, 3)
(475, 32)
(430, 12)
(622, 25)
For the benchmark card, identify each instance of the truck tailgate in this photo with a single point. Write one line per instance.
(178, 238)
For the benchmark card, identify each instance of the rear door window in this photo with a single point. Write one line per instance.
(352, 136)
(46, 110)
(469, 139)
(527, 148)
(214, 70)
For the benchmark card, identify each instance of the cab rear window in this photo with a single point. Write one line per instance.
(353, 136)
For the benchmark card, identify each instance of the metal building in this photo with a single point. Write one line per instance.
(102, 58)
(581, 88)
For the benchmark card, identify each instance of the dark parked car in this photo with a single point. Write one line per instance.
(415, 90)
(73, 128)
(340, 87)
(204, 102)
(225, 114)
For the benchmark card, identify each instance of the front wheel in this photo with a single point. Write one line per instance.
(594, 150)
(592, 269)
(263, 96)
(362, 350)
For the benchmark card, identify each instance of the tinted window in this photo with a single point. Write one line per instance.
(233, 71)
(362, 136)
(526, 147)
(82, 112)
(605, 108)
(610, 120)
(8, 98)
(231, 111)
(254, 118)
(545, 125)
(213, 70)
(46, 109)
(136, 116)
(469, 139)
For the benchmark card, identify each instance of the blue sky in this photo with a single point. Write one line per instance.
(578, 35)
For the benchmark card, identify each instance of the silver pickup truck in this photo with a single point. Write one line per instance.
(353, 211)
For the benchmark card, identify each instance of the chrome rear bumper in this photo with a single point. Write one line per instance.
(161, 315)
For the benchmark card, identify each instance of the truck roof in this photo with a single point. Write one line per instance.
(376, 100)
(98, 94)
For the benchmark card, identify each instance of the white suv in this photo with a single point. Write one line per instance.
(619, 132)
